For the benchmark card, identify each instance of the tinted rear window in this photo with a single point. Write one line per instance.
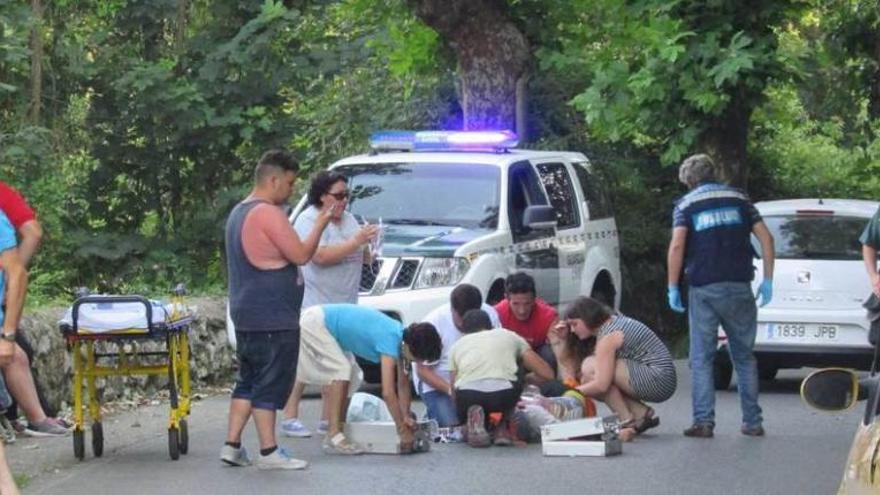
(824, 237)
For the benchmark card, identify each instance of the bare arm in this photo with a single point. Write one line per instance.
(404, 390)
(768, 248)
(393, 379)
(675, 255)
(16, 287)
(31, 235)
(388, 367)
(534, 363)
(606, 360)
(284, 237)
(428, 374)
(558, 339)
(332, 255)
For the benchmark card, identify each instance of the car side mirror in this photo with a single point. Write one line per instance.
(539, 217)
(831, 389)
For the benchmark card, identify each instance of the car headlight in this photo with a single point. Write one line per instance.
(439, 272)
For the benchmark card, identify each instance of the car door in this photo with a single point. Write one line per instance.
(534, 250)
(570, 243)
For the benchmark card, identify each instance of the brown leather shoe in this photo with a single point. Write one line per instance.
(700, 430)
(752, 431)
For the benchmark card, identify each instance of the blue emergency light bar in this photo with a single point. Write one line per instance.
(443, 140)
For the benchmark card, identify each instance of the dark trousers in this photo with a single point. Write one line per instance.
(502, 401)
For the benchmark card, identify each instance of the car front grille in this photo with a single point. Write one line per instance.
(389, 274)
(369, 274)
(406, 274)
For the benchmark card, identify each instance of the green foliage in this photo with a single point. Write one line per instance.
(810, 157)
(157, 117)
(657, 73)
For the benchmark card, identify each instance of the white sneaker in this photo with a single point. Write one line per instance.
(280, 459)
(323, 427)
(234, 457)
(293, 427)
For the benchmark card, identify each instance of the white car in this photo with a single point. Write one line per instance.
(816, 316)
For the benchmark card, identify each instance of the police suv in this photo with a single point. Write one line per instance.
(467, 207)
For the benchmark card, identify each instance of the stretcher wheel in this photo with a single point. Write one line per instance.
(97, 439)
(79, 444)
(174, 443)
(184, 437)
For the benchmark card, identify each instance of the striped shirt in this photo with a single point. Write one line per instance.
(651, 371)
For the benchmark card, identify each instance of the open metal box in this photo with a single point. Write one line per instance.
(591, 437)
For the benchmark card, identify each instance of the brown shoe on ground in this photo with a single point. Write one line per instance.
(700, 430)
(752, 431)
(477, 436)
(502, 438)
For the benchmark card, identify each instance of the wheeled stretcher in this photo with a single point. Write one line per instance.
(107, 336)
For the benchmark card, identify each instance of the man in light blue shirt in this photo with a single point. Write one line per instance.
(331, 335)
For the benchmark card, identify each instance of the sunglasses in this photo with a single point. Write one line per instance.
(339, 196)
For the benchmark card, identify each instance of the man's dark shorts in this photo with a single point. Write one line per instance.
(267, 365)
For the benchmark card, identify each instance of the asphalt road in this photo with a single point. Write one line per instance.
(803, 453)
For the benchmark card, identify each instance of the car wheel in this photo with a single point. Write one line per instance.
(723, 370)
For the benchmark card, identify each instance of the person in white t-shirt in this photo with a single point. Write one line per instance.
(333, 275)
(432, 382)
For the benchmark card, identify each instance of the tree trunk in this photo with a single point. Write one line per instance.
(182, 23)
(36, 63)
(726, 140)
(492, 56)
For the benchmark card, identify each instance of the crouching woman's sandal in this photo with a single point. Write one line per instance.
(648, 421)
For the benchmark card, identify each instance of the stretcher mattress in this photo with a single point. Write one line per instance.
(125, 317)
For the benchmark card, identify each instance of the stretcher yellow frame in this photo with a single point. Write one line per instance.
(128, 361)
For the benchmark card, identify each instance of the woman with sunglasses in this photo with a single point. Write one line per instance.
(334, 272)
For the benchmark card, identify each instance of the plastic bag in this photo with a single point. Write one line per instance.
(367, 407)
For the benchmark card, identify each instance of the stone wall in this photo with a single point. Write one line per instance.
(211, 356)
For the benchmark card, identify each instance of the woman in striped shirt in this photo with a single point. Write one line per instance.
(625, 363)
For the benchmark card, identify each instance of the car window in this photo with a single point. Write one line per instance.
(524, 189)
(557, 183)
(598, 203)
(823, 237)
(455, 194)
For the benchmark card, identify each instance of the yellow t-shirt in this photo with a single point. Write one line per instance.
(489, 354)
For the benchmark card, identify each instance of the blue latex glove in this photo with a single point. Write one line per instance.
(765, 292)
(674, 296)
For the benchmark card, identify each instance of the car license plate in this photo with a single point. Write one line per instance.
(802, 332)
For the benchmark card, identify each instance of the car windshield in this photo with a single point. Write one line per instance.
(824, 237)
(450, 194)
